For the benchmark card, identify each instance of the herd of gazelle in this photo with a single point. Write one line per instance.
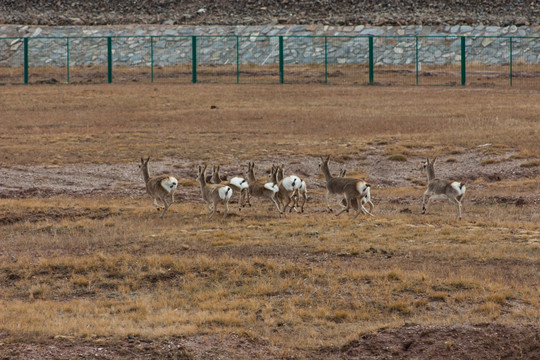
(289, 191)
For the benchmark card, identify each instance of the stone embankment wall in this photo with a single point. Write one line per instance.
(393, 45)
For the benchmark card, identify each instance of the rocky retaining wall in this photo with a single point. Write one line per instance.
(171, 45)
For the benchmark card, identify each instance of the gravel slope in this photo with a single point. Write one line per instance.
(257, 12)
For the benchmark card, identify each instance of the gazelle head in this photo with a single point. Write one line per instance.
(272, 172)
(427, 165)
(143, 167)
(250, 167)
(215, 177)
(324, 163)
(200, 175)
(279, 172)
(144, 163)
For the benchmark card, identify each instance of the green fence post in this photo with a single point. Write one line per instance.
(463, 62)
(194, 59)
(371, 60)
(511, 49)
(281, 59)
(25, 42)
(326, 59)
(237, 60)
(67, 58)
(152, 57)
(416, 59)
(109, 59)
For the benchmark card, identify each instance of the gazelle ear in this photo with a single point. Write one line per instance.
(433, 161)
(328, 158)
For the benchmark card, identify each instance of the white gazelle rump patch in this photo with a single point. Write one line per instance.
(169, 184)
(367, 195)
(302, 187)
(459, 187)
(291, 183)
(271, 186)
(225, 193)
(239, 182)
(363, 188)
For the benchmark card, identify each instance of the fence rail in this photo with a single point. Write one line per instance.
(407, 60)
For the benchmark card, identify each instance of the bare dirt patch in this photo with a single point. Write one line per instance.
(470, 341)
(121, 180)
(481, 341)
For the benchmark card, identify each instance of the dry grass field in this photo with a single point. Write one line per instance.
(89, 270)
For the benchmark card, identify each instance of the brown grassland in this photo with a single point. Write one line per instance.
(89, 270)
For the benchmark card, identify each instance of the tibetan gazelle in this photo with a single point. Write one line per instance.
(160, 187)
(214, 194)
(350, 188)
(441, 189)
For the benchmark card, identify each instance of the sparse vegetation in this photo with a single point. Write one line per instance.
(92, 266)
(529, 164)
(489, 161)
(397, 157)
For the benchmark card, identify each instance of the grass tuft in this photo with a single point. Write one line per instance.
(397, 157)
(530, 164)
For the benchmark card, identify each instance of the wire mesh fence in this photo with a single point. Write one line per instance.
(258, 59)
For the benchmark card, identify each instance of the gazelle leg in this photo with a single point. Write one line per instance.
(371, 206)
(424, 205)
(157, 205)
(427, 205)
(294, 199)
(360, 209)
(240, 199)
(247, 196)
(164, 210)
(226, 204)
(213, 210)
(458, 204)
(328, 206)
(358, 212)
(346, 208)
(286, 203)
(277, 203)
